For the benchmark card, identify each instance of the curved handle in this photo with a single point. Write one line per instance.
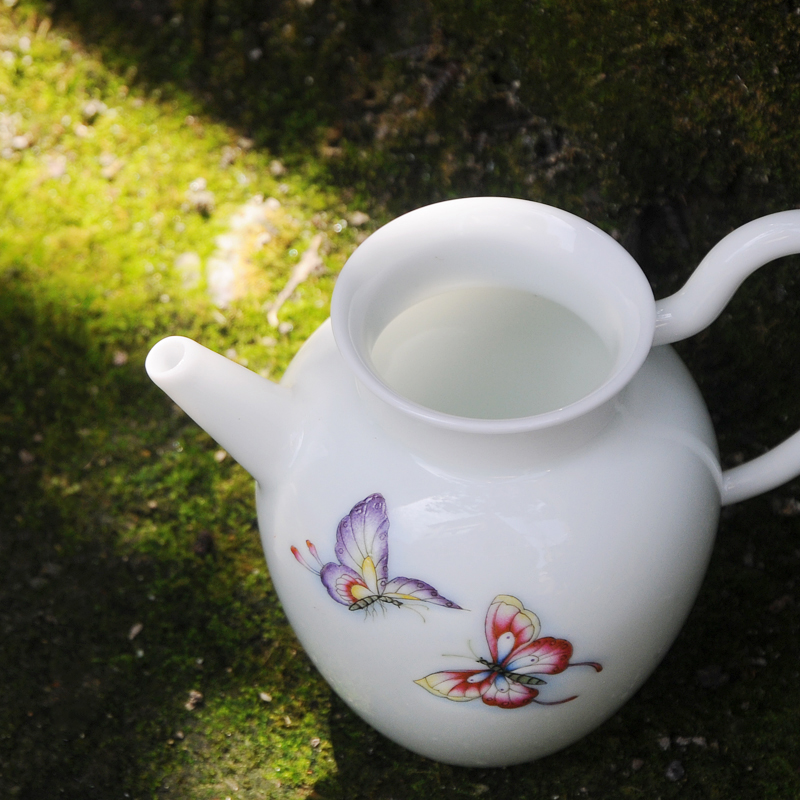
(700, 302)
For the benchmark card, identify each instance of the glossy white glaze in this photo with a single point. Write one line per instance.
(598, 517)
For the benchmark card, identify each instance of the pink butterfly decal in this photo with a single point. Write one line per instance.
(518, 658)
(361, 578)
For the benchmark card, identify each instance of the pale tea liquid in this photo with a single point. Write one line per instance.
(491, 353)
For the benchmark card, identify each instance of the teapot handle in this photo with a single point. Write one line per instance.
(699, 303)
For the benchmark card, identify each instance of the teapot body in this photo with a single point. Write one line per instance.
(599, 548)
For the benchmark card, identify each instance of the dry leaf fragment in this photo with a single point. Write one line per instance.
(135, 631)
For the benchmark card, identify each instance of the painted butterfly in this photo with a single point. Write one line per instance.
(518, 657)
(361, 578)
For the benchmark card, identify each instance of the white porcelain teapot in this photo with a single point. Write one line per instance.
(487, 501)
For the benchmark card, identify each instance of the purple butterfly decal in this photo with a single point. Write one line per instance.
(361, 578)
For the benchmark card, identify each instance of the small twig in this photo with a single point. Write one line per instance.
(443, 80)
(309, 262)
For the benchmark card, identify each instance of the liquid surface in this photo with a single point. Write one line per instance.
(491, 353)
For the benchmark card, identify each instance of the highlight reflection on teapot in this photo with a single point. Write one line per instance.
(487, 488)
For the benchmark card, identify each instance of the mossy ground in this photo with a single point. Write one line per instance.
(130, 569)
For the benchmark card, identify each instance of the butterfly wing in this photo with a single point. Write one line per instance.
(344, 585)
(404, 589)
(505, 693)
(469, 684)
(545, 656)
(509, 628)
(459, 685)
(362, 542)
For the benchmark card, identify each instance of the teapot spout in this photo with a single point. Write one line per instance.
(250, 416)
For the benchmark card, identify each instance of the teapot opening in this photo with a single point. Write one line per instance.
(492, 315)
(491, 353)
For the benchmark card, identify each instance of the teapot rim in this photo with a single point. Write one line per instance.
(371, 262)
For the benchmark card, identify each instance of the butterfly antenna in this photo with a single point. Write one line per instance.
(415, 610)
(555, 702)
(296, 554)
(313, 550)
(471, 649)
